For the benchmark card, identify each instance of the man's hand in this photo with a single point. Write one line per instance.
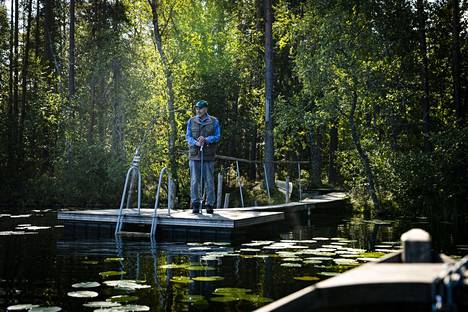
(201, 141)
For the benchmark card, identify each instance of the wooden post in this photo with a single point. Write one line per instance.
(240, 184)
(170, 194)
(416, 246)
(299, 180)
(226, 200)
(287, 190)
(219, 194)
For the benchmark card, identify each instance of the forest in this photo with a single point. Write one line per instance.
(372, 94)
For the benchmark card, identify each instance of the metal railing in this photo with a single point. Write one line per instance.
(154, 221)
(134, 169)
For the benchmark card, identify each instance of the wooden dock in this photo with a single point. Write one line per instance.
(220, 219)
(183, 224)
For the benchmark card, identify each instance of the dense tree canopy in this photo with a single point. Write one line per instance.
(372, 94)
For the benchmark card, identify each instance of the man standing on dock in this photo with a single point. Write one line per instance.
(203, 134)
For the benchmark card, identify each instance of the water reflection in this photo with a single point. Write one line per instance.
(238, 275)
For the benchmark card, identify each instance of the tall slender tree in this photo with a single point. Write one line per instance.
(269, 144)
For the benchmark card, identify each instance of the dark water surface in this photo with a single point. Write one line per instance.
(40, 264)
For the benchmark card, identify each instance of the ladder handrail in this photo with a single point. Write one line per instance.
(154, 221)
(133, 166)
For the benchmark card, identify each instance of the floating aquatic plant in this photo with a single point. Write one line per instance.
(112, 273)
(307, 278)
(122, 298)
(181, 280)
(82, 294)
(208, 278)
(21, 307)
(101, 304)
(86, 285)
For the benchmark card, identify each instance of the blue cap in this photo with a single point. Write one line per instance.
(201, 104)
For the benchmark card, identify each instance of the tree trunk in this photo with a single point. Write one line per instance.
(456, 60)
(332, 148)
(11, 112)
(170, 91)
(425, 105)
(118, 118)
(71, 55)
(24, 84)
(363, 157)
(269, 144)
(315, 141)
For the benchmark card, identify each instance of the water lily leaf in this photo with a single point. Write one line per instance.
(86, 285)
(256, 299)
(21, 307)
(192, 298)
(294, 259)
(208, 278)
(101, 304)
(90, 262)
(312, 261)
(229, 291)
(174, 266)
(113, 259)
(345, 262)
(200, 268)
(45, 309)
(307, 278)
(224, 299)
(181, 279)
(291, 265)
(112, 273)
(114, 283)
(83, 294)
(372, 255)
(328, 273)
(122, 298)
(125, 308)
(320, 238)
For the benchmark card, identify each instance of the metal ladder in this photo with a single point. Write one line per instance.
(134, 167)
(154, 221)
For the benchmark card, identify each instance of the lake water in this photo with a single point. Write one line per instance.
(39, 263)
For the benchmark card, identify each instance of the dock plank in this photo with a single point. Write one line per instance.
(220, 219)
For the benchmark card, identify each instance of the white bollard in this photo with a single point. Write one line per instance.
(416, 246)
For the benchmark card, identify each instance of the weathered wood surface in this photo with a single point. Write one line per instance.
(220, 219)
(335, 198)
(369, 284)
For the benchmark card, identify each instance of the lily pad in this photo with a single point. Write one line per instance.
(45, 309)
(115, 283)
(328, 273)
(21, 307)
(200, 268)
(307, 278)
(125, 308)
(174, 266)
(83, 294)
(256, 299)
(345, 261)
(320, 238)
(208, 278)
(112, 273)
(86, 285)
(101, 304)
(372, 255)
(92, 262)
(224, 299)
(312, 261)
(181, 280)
(229, 291)
(113, 259)
(122, 298)
(192, 298)
(291, 265)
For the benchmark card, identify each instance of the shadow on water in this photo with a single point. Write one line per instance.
(237, 271)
